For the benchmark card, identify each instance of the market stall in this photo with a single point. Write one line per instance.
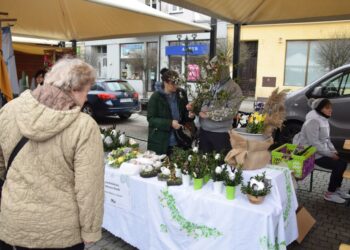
(149, 215)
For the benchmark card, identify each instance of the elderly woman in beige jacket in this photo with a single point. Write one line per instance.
(53, 193)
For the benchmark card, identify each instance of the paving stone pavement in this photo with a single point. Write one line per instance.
(331, 229)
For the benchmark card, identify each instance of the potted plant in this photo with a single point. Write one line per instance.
(148, 172)
(165, 171)
(211, 73)
(113, 139)
(218, 176)
(215, 167)
(186, 173)
(110, 139)
(198, 167)
(206, 167)
(233, 177)
(116, 157)
(257, 188)
(261, 124)
(179, 158)
(173, 179)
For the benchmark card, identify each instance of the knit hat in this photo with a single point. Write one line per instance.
(318, 104)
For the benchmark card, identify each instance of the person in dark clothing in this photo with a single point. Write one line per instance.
(315, 132)
(158, 84)
(166, 113)
(39, 77)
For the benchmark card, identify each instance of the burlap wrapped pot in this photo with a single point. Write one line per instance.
(250, 154)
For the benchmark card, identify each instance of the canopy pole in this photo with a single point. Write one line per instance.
(213, 31)
(4, 20)
(74, 47)
(236, 49)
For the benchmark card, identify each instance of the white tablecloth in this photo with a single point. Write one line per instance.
(148, 215)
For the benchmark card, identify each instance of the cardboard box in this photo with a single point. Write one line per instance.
(347, 144)
(305, 223)
(344, 247)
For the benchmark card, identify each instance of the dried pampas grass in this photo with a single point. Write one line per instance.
(275, 111)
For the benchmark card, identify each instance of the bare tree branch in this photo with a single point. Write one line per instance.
(223, 47)
(335, 52)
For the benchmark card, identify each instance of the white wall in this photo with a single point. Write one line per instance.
(113, 45)
(113, 51)
(113, 71)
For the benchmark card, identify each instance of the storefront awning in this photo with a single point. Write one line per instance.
(269, 11)
(33, 49)
(91, 20)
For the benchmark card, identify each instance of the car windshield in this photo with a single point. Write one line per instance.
(117, 86)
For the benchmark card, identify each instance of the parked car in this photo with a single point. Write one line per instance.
(110, 98)
(335, 86)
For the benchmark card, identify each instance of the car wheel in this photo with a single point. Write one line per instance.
(289, 130)
(124, 116)
(87, 109)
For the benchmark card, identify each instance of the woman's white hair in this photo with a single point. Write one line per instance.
(70, 74)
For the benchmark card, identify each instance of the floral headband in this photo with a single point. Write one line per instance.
(175, 80)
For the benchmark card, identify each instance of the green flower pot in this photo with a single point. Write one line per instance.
(197, 183)
(206, 178)
(230, 192)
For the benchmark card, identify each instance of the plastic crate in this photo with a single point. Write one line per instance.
(301, 165)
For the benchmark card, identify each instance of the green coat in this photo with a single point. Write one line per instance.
(160, 119)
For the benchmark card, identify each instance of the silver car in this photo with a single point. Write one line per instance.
(335, 86)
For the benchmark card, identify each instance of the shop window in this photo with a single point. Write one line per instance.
(102, 49)
(99, 60)
(175, 9)
(197, 52)
(302, 65)
(153, 3)
(132, 61)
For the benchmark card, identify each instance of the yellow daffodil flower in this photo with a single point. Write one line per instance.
(121, 159)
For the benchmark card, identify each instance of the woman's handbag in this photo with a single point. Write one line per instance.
(185, 135)
(15, 151)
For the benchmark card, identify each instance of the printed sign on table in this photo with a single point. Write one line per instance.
(117, 192)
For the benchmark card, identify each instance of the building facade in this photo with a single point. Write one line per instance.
(140, 59)
(287, 55)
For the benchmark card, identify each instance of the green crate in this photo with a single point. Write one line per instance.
(301, 165)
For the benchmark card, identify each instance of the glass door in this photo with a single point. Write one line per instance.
(151, 65)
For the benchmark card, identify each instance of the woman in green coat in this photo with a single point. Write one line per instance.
(165, 113)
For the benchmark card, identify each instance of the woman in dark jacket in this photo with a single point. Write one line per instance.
(165, 113)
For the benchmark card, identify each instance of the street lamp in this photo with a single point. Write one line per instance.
(179, 38)
(187, 49)
(194, 35)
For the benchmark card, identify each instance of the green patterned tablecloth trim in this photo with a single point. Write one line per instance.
(288, 207)
(265, 244)
(192, 230)
(163, 228)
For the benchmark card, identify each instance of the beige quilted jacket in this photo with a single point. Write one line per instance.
(53, 195)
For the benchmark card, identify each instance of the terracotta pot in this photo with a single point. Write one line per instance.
(255, 200)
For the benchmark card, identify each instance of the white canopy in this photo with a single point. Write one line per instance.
(269, 11)
(90, 20)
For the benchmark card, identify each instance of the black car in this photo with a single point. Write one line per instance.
(110, 98)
